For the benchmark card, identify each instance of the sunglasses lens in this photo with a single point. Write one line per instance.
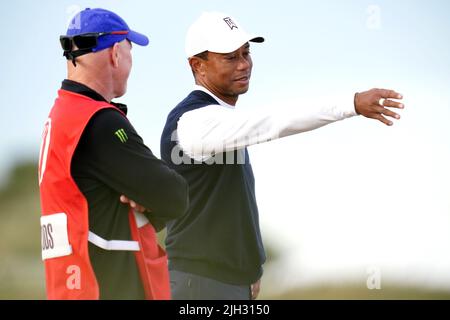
(66, 43)
(85, 41)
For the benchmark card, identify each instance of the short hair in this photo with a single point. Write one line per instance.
(202, 55)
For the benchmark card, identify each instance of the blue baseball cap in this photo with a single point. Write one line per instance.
(100, 20)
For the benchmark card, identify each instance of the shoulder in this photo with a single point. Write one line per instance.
(196, 99)
(107, 120)
(106, 117)
(106, 125)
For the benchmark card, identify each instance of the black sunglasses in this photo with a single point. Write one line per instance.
(84, 42)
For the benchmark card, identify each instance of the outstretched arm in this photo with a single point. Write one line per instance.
(214, 129)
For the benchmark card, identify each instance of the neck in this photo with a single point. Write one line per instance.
(100, 86)
(231, 100)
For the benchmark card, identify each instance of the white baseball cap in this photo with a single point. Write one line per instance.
(216, 32)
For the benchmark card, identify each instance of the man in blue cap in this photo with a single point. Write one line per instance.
(94, 246)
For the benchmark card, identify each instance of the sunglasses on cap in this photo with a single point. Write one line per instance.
(85, 43)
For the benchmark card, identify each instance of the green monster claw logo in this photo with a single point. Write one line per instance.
(121, 135)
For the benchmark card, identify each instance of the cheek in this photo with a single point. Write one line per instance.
(128, 63)
(220, 74)
(225, 80)
(225, 74)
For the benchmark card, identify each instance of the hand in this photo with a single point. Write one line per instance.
(133, 205)
(371, 104)
(255, 289)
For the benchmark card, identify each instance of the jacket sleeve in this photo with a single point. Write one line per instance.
(214, 129)
(120, 159)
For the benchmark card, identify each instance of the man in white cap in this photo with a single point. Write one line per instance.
(215, 250)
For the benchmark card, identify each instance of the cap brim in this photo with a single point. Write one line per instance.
(236, 44)
(257, 40)
(137, 38)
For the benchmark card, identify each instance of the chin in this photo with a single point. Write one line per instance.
(243, 90)
(121, 93)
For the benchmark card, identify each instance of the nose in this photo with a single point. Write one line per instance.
(245, 62)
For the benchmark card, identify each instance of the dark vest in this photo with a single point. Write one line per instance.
(219, 236)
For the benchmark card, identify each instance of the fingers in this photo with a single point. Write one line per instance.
(380, 111)
(124, 199)
(387, 112)
(133, 204)
(385, 93)
(137, 207)
(255, 288)
(393, 104)
(383, 119)
(255, 292)
(140, 209)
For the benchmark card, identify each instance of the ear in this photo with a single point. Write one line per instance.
(198, 66)
(115, 55)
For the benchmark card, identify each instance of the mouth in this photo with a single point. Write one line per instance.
(243, 79)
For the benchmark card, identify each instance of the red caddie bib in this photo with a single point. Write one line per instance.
(64, 222)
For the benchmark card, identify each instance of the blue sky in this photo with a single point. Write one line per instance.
(339, 179)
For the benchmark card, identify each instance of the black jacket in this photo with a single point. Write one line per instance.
(107, 164)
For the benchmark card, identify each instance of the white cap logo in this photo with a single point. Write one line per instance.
(230, 23)
(211, 32)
